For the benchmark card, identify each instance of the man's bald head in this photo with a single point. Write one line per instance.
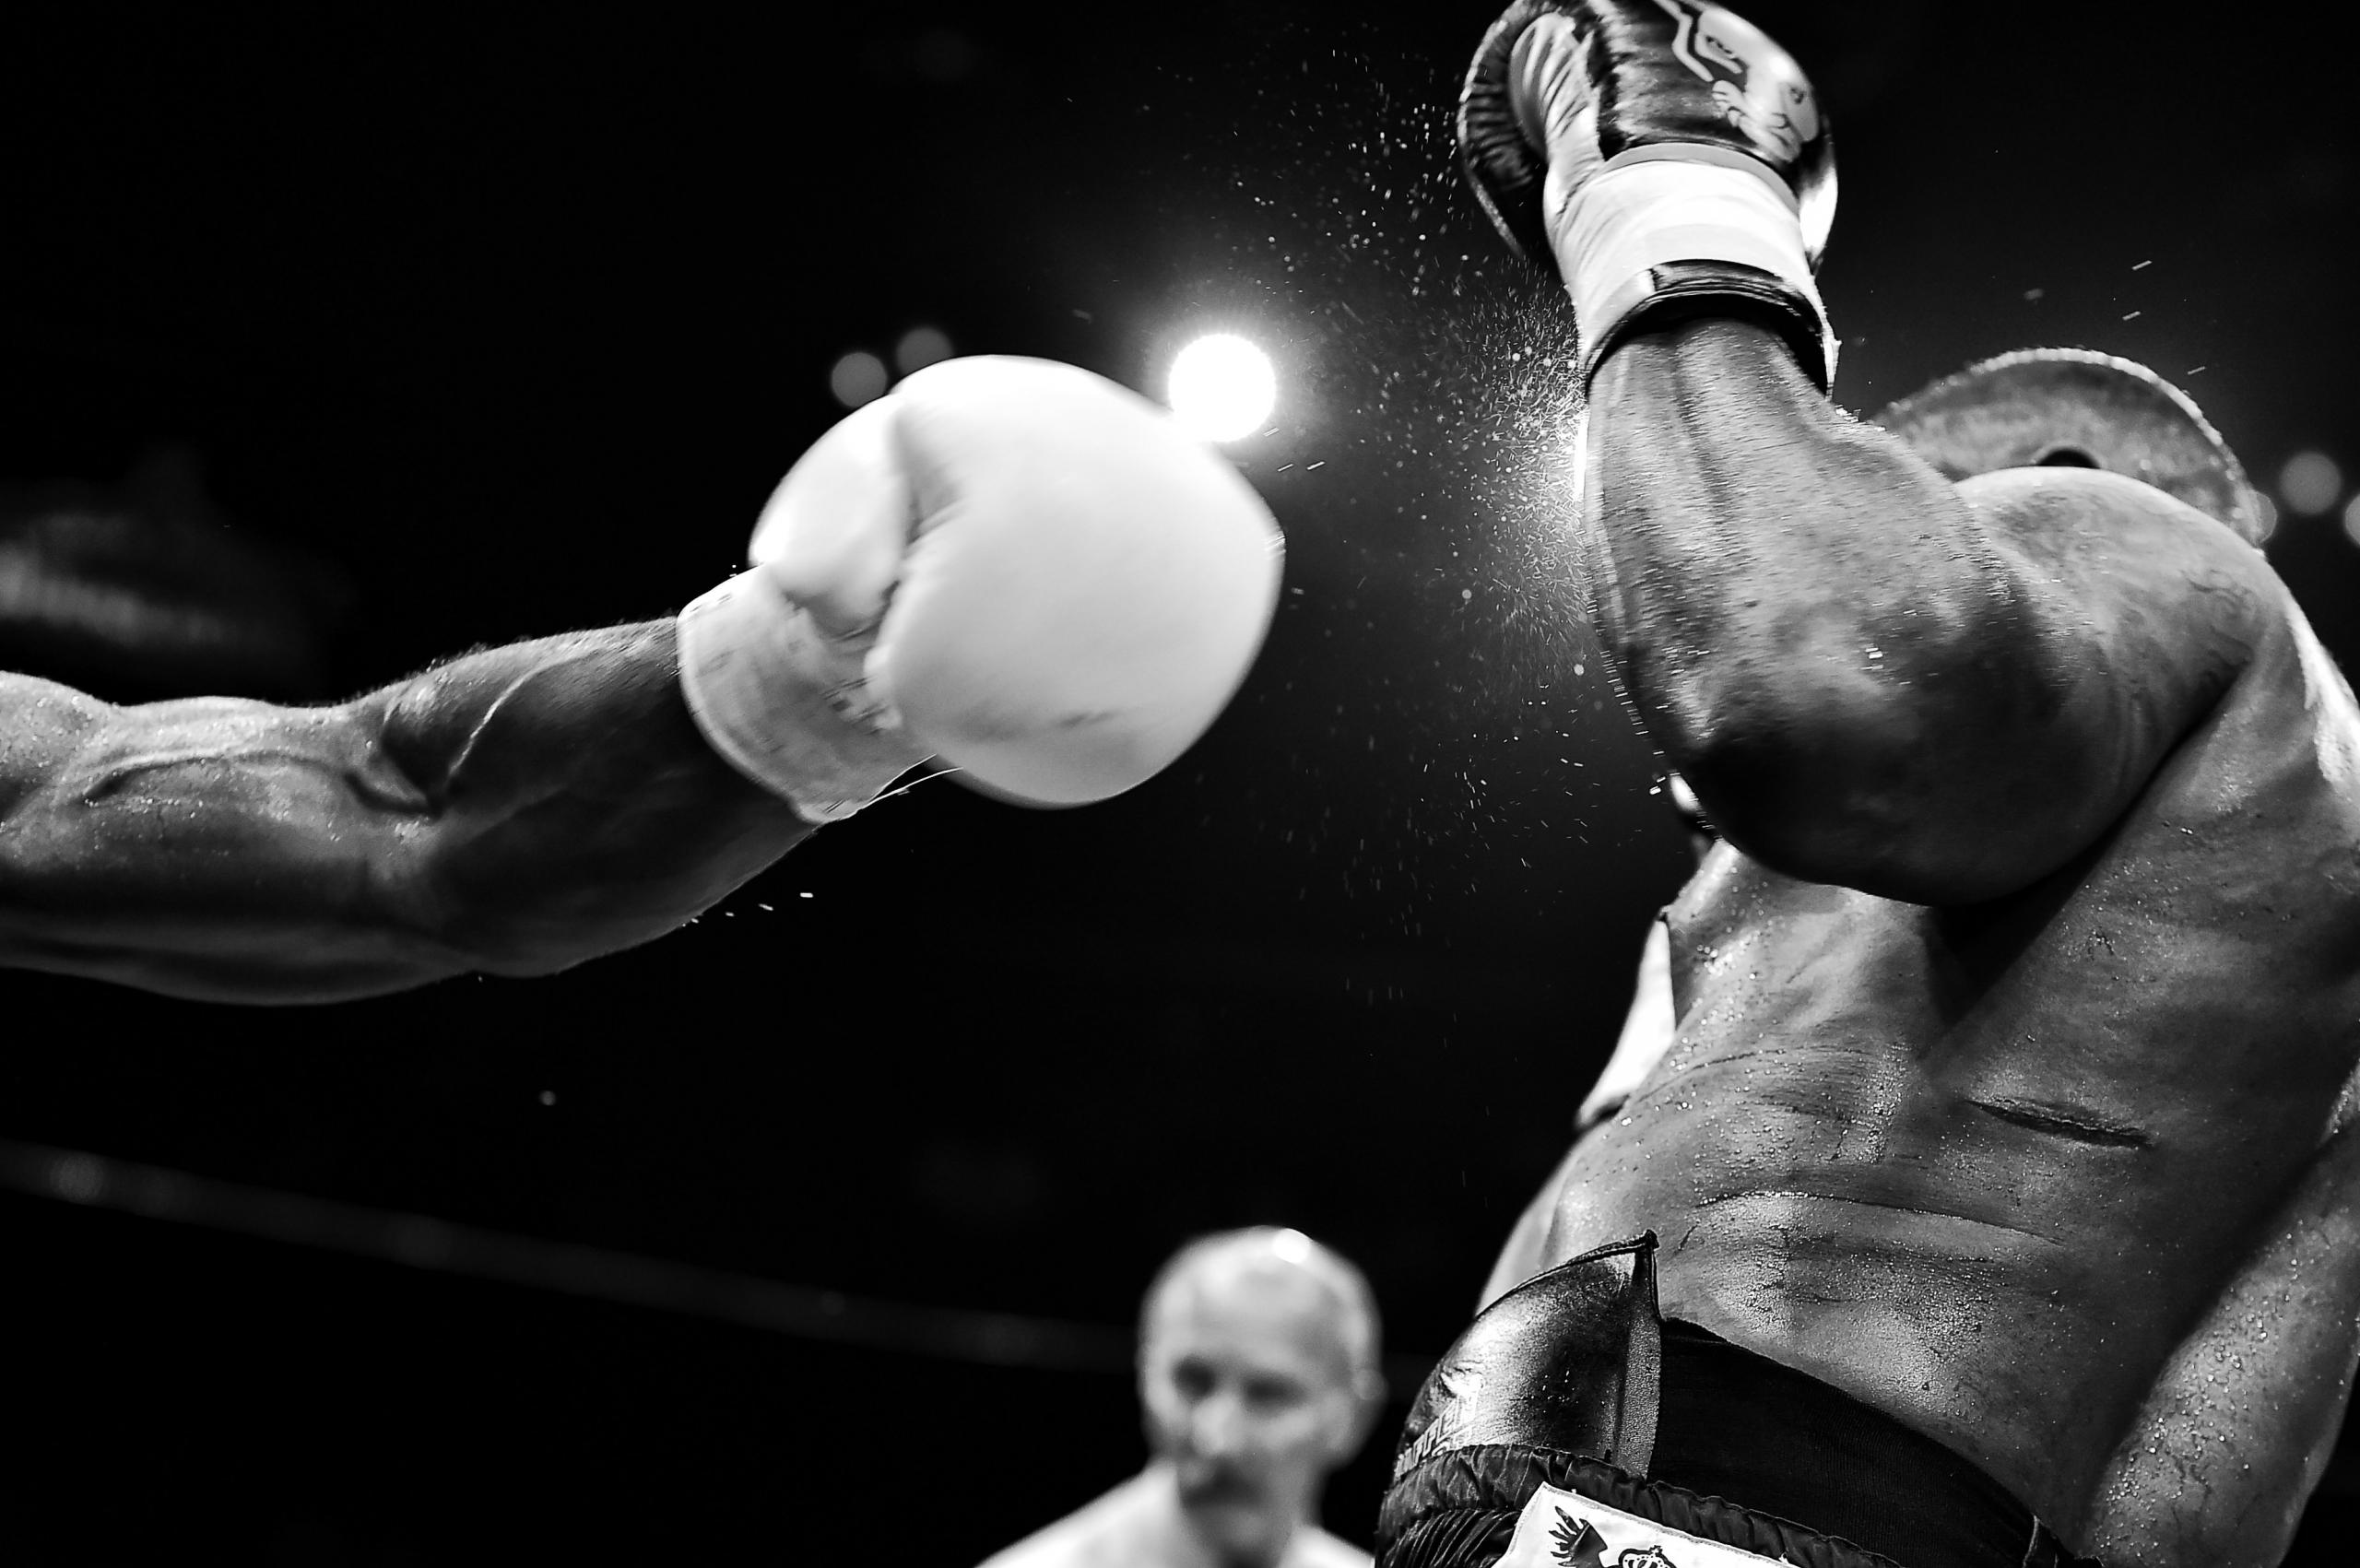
(1293, 1276)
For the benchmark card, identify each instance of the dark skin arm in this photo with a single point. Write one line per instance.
(514, 811)
(1870, 676)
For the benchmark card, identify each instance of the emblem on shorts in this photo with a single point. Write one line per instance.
(1577, 1544)
(1754, 86)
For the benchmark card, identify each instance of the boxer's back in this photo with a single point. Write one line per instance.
(1990, 1167)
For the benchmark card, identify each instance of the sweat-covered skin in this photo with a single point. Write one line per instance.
(2018, 1016)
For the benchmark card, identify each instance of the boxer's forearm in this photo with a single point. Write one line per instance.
(1775, 586)
(514, 812)
(576, 806)
(1872, 677)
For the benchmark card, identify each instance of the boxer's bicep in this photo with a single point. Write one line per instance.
(1870, 676)
(2116, 619)
(212, 847)
(2102, 621)
(2140, 614)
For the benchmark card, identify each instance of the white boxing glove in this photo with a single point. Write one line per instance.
(1020, 567)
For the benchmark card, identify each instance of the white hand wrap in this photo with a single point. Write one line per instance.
(782, 702)
(1671, 203)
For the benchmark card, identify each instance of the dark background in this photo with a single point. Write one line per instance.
(508, 321)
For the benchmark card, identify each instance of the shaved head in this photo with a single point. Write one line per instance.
(1292, 1276)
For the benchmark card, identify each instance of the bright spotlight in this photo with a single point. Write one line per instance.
(1222, 387)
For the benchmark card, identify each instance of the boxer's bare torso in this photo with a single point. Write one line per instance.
(2061, 1176)
(1986, 1167)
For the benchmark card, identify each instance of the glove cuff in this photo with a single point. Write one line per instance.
(785, 704)
(1659, 224)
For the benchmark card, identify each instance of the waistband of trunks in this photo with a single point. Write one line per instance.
(1459, 1510)
(1574, 1381)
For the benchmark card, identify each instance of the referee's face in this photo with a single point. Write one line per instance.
(1247, 1395)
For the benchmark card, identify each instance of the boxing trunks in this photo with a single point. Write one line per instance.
(1571, 1426)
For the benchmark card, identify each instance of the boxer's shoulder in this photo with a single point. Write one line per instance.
(2290, 664)
(2175, 595)
(2271, 776)
(2075, 521)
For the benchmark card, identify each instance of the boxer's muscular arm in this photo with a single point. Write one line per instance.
(1874, 677)
(514, 811)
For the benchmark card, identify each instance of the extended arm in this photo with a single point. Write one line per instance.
(1872, 677)
(1014, 564)
(516, 811)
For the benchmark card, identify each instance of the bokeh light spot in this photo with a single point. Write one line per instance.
(1222, 387)
(921, 347)
(857, 378)
(2310, 483)
(2352, 520)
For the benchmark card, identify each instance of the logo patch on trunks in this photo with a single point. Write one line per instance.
(1564, 1529)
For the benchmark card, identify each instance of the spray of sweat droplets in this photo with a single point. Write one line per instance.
(1448, 732)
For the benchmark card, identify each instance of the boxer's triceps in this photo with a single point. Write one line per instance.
(514, 812)
(1872, 677)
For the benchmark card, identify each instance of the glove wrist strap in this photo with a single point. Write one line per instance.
(784, 704)
(1651, 224)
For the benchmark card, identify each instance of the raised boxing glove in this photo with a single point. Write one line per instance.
(1664, 157)
(1020, 567)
